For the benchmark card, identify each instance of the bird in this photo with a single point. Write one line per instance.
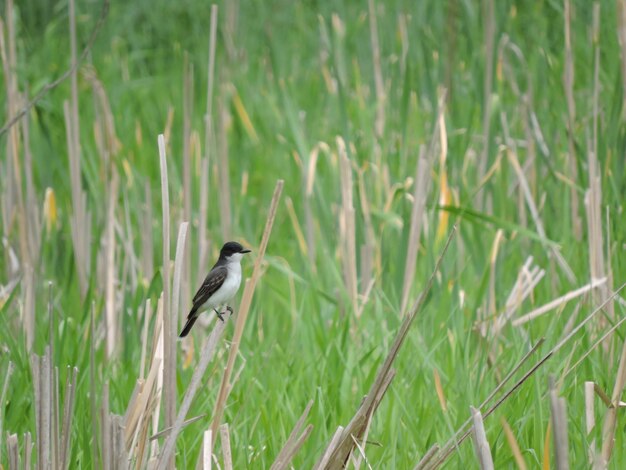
(219, 286)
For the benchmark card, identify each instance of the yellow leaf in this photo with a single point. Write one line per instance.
(50, 209)
(439, 389)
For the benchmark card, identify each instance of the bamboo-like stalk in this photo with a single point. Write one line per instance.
(169, 325)
(246, 300)
(204, 205)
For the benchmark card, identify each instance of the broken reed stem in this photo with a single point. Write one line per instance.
(169, 330)
(559, 427)
(481, 445)
(242, 315)
(208, 350)
(288, 451)
(558, 302)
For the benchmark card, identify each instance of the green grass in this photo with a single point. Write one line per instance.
(302, 340)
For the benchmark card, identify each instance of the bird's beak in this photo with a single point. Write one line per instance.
(244, 251)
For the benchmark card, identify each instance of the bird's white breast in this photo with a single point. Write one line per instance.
(228, 290)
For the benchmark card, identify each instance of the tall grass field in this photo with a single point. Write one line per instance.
(433, 193)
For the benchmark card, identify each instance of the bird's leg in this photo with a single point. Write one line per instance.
(220, 315)
(229, 309)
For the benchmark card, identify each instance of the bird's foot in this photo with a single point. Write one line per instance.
(229, 308)
(220, 315)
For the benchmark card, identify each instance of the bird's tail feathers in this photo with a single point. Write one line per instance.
(191, 319)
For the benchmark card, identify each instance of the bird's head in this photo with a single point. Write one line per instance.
(233, 251)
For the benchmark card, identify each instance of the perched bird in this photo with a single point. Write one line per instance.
(219, 286)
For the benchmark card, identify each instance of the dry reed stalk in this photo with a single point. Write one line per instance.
(13, 451)
(147, 245)
(294, 441)
(147, 314)
(489, 33)
(593, 195)
(14, 184)
(204, 206)
(176, 311)
(188, 100)
(568, 83)
(379, 124)
(68, 412)
(226, 452)
(481, 445)
(610, 418)
(559, 426)
(169, 323)
(527, 279)
(420, 194)
(309, 182)
(514, 445)
(348, 240)
(359, 422)
(112, 327)
(368, 248)
(558, 302)
(28, 317)
(223, 180)
(590, 420)
(92, 383)
(332, 445)
(167, 452)
(244, 308)
(554, 252)
(206, 452)
(430, 453)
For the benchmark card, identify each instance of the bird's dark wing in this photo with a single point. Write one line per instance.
(212, 283)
